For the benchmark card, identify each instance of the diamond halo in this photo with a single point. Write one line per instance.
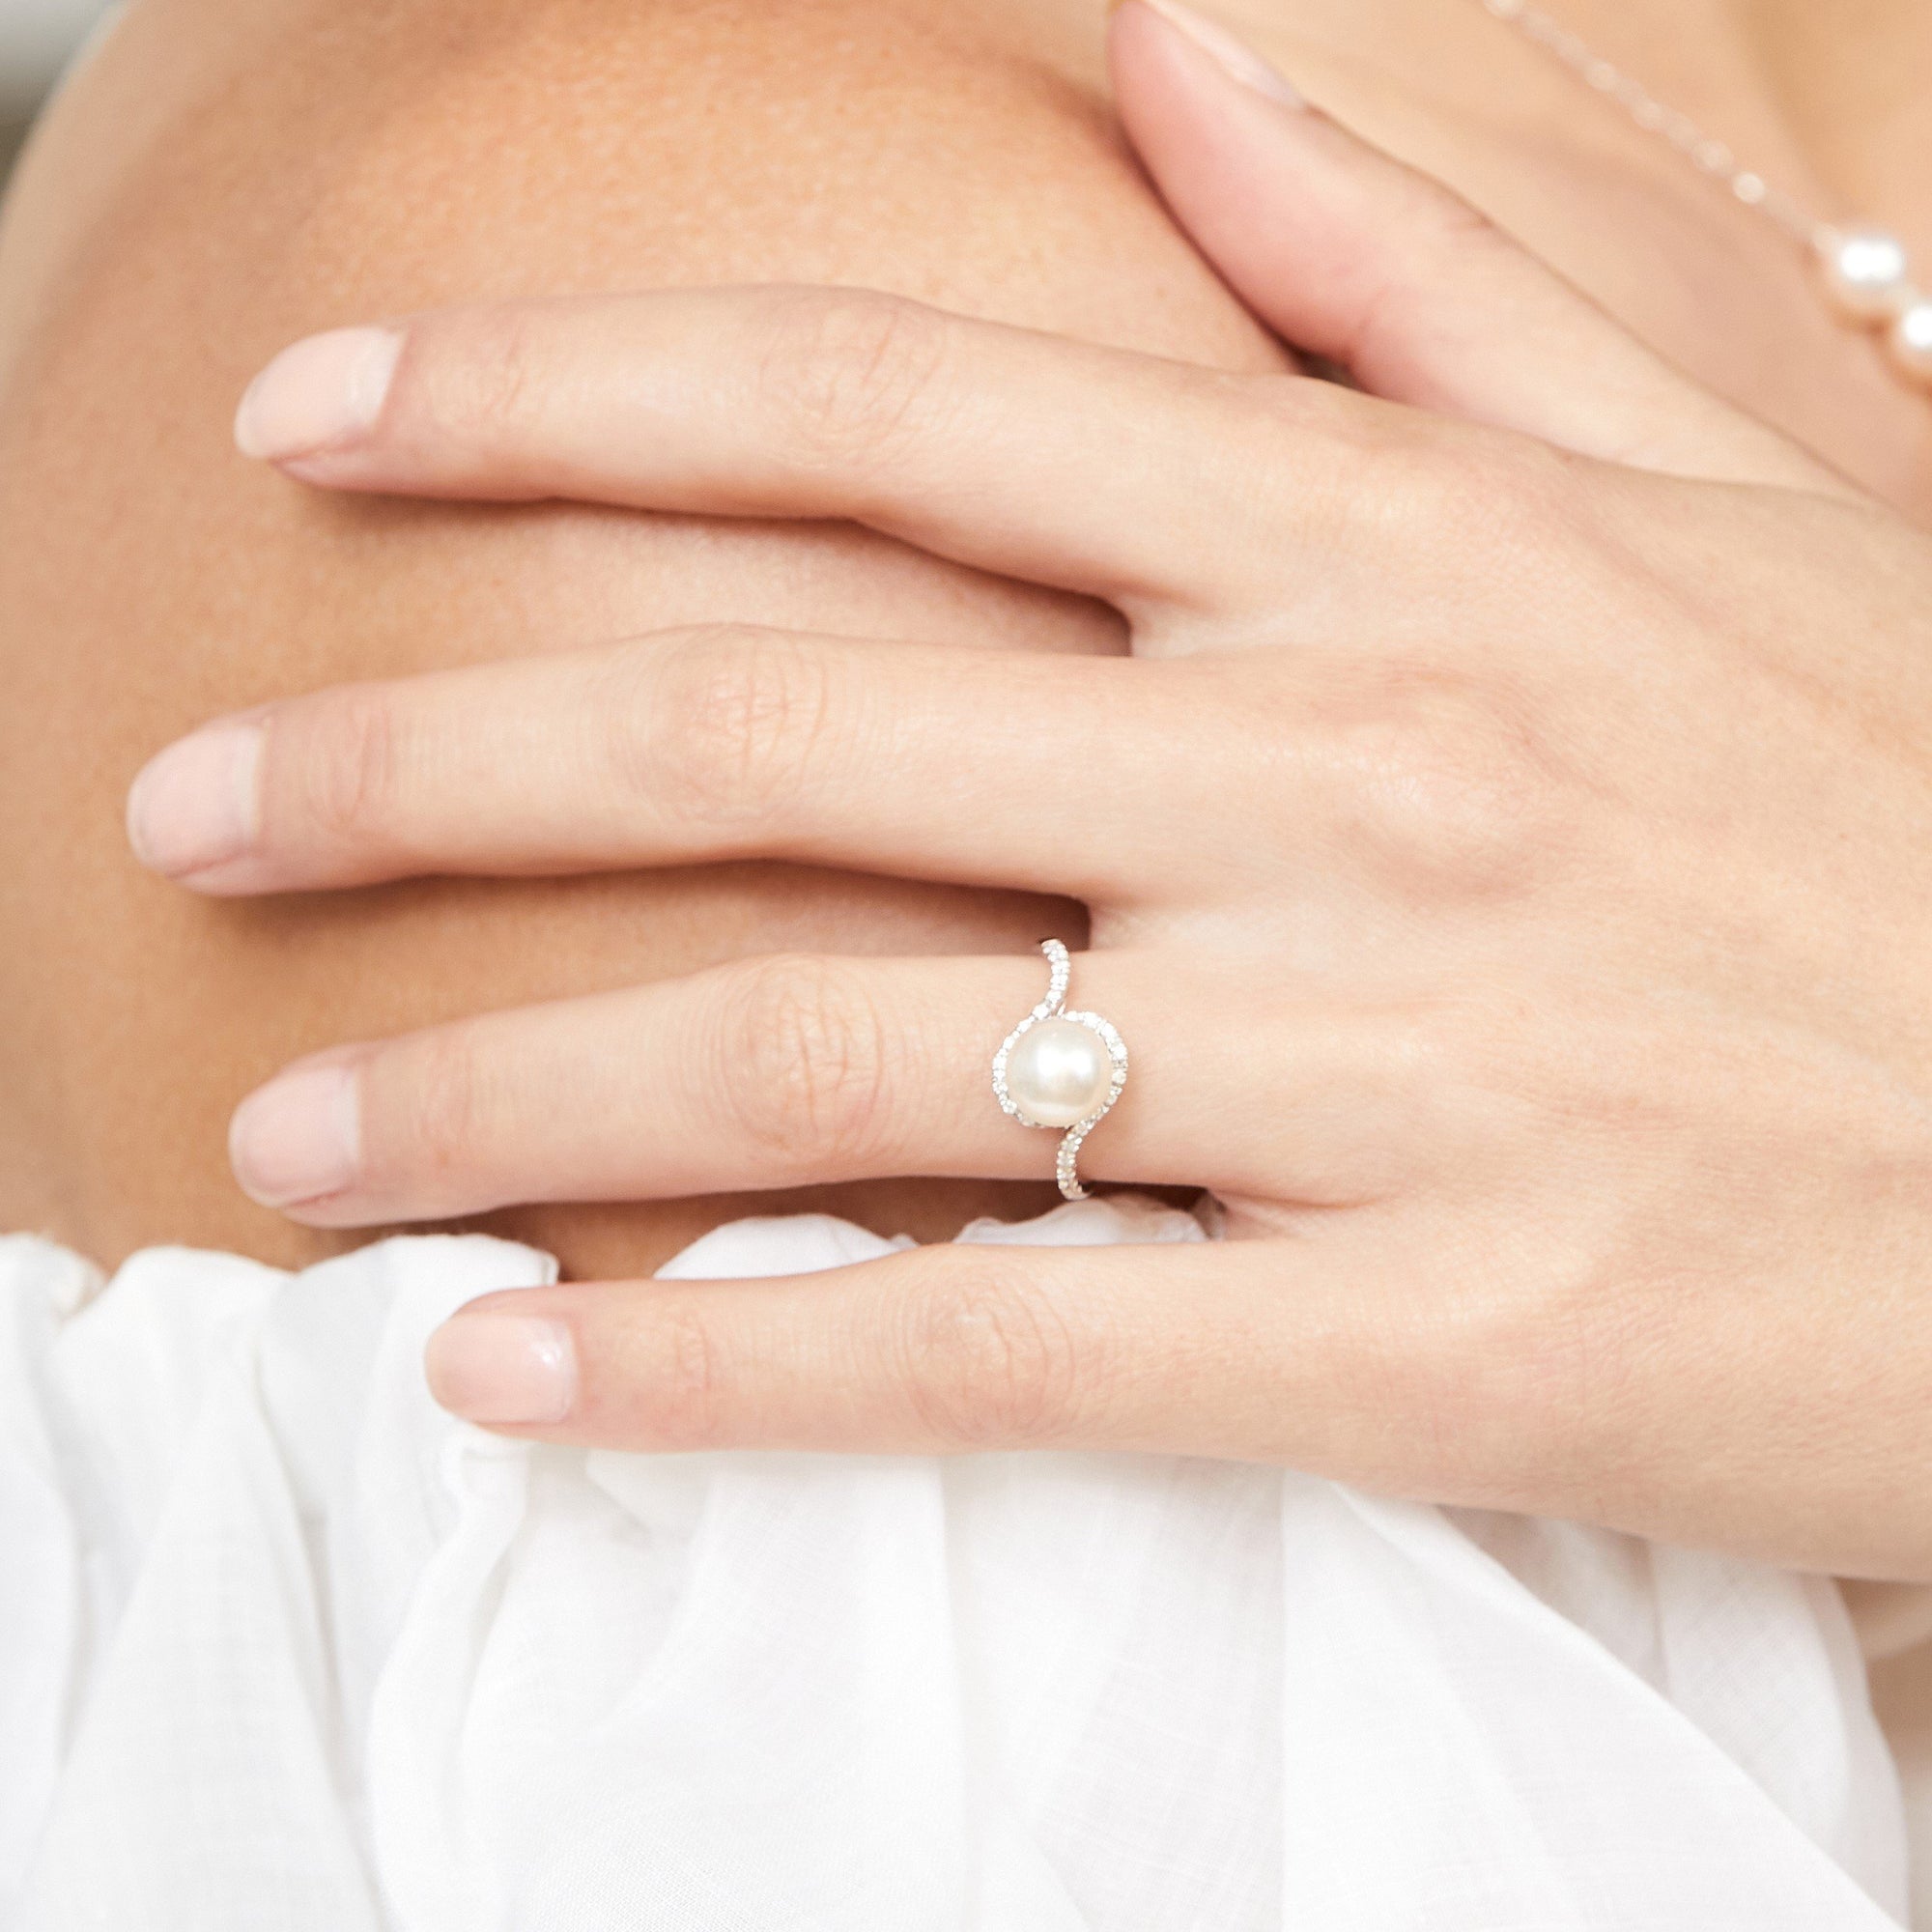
(1054, 1007)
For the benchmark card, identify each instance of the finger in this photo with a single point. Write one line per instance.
(1044, 458)
(1073, 776)
(784, 1072)
(1356, 258)
(1333, 1354)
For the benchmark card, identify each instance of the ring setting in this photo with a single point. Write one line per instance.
(1061, 1069)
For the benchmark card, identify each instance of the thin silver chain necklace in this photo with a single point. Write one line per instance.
(1864, 271)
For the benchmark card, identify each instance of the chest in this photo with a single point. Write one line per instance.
(1713, 284)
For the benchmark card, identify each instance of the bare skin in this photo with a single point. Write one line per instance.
(385, 157)
(216, 185)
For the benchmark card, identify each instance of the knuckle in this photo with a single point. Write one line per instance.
(849, 370)
(1473, 501)
(482, 385)
(682, 1374)
(1449, 787)
(349, 764)
(1443, 228)
(1579, 1387)
(1530, 504)
(450, 1102)
(730, 729)
(1439, 232)
(1435, 489)
(990, 1362)
(1497, 1379)
(1554, 1393)
(802, 1064)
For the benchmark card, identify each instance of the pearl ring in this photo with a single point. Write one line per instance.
(1061, 1069)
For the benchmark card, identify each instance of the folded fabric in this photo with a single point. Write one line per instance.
(285, 1649)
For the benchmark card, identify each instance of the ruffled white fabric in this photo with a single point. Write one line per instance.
(285, 1649)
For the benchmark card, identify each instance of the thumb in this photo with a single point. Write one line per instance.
(1352, 256)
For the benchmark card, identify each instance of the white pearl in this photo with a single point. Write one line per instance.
(1911, 340)
(1059, 1073)
(1868, 274)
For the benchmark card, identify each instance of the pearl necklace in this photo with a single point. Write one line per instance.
(1864, 271)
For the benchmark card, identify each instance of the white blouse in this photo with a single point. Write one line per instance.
(285, 1649)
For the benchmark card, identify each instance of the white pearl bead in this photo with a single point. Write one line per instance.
(1911, 340)
(1868, 274)
(1059, 1073)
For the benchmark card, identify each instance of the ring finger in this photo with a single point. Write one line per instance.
(786, 1072)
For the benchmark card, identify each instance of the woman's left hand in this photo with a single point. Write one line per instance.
(1508, 847)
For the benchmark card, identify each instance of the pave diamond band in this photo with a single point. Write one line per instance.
(1061, 1069)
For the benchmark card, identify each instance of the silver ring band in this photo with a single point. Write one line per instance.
(1045, 1075)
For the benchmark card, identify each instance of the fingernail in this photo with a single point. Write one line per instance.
(300, 1138)
(198, 802)
(503, 1368)
(1235, 56)
(319, 395)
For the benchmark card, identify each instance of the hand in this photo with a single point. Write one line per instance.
(1508, 847)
